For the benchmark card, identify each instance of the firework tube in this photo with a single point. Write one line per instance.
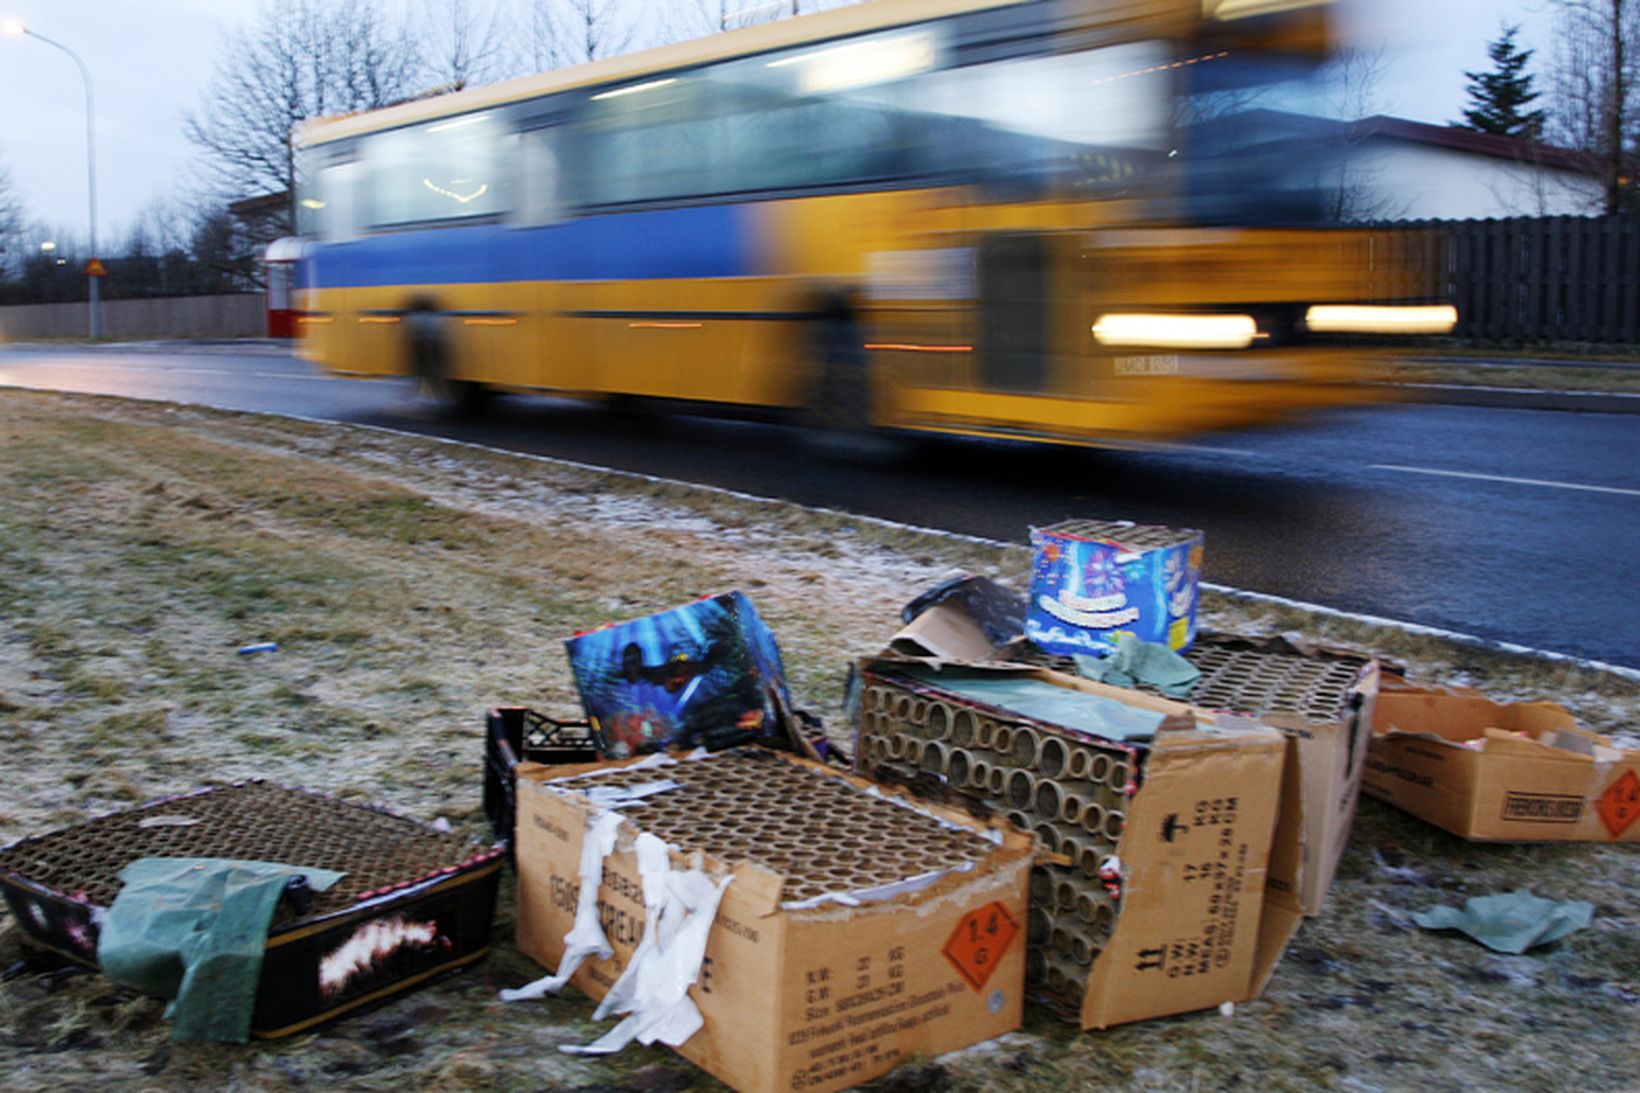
(934, 757)
(963, 724)
(1021, 787)
(1050, 798)
(1025, 746)
(1052, 757)
(940, 716)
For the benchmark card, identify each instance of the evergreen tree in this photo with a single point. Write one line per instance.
(1500, 97)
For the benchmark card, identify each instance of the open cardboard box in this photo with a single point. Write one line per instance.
(1500, 771)
(1325, 760)
(813, 998)
(1194, 928)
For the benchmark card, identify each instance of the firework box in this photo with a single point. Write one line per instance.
(413, 902)
(1094, 581)
(795, 996)
(706, 673)
(1500, 771)
(1321, 699)
(1193, 928)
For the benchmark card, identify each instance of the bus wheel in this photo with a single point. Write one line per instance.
(430, 364)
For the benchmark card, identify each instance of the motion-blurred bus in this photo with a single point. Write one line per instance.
(1087, 221)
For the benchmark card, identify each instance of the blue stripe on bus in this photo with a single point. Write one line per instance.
(709, 241)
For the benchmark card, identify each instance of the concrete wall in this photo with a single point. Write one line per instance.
(236, 316)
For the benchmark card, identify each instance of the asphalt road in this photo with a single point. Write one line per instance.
(1513, 525)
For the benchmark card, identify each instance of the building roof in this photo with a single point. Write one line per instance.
(1458, 139)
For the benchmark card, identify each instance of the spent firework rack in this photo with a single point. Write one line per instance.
(824, 835)
(413, 902)
(1071, 791)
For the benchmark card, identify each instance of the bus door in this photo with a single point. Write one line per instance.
(1012, 321)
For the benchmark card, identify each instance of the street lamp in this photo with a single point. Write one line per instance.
(14, 28)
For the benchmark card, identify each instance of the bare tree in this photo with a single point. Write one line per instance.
(1357, 192)
(462, 45)
(11, 223)
(299, 59)
(566, 32)
(1595, 107)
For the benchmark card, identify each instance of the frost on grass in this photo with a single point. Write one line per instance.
(411, 584)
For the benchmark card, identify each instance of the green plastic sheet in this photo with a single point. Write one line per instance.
(1042, 701)
(194, 930)
(1512, 922)
(1133, 662)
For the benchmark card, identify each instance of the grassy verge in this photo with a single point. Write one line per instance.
(410, 584)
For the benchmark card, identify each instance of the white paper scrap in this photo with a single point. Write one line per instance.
(586, 936)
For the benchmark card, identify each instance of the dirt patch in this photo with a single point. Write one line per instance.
(410, 584)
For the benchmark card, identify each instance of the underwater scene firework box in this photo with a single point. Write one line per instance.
(414, 902)
(1093, 581)
(704, 674)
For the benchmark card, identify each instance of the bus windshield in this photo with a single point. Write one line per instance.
(1254, 145)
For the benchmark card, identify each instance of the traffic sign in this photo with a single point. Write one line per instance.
(95, 268)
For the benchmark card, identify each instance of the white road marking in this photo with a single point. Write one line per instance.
(1504, 478)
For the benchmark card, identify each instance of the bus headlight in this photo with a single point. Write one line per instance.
(1176, 331)
(1362, 319)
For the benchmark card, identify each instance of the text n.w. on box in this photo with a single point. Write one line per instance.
(1500, 771)
(1322, 700)
(860, 928)
(1195, 928)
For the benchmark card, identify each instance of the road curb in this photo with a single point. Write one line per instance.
(1515, 398)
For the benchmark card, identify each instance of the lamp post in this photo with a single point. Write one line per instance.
(15, 29)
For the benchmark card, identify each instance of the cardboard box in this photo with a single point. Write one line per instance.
(1319, 697)
(706, 673)
(1322, 700)
(1195, 795)
(1500, 771)
(799, 993)
(1094, 581)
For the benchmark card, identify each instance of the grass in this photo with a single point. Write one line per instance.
(411, 584)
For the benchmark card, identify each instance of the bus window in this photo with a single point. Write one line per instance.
(444, 170)
(1091, 123)
(534, 155)
(335, 208)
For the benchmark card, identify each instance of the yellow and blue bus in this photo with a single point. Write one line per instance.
(1085, 221)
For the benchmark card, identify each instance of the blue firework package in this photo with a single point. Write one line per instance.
(707, 673)
(1094, 581)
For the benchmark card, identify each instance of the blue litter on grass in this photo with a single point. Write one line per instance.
(259, 647)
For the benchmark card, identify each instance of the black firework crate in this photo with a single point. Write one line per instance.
(415, 902)
(515, 734)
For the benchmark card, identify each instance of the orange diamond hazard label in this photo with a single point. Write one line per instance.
(979, 941)
(1619, 806)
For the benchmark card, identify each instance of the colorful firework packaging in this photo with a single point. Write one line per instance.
(1095, 580)
(704, 674)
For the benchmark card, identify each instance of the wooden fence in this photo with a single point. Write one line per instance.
(238, 315)
(1565, 279)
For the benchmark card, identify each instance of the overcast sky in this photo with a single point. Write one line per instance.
(151, 61)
